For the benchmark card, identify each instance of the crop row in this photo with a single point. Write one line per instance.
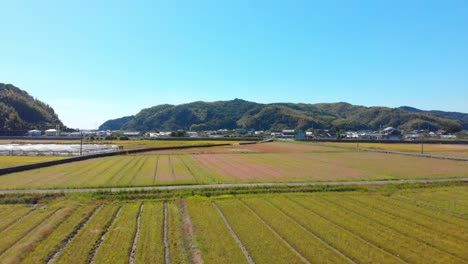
(147, 170)
(114, 171)
(256, 167)
(280, 228)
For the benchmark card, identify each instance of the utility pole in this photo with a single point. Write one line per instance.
(81, 143)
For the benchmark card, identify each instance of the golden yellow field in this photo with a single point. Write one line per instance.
(11, 161)
(360, 226)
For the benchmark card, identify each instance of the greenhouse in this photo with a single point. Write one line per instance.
(55, 149)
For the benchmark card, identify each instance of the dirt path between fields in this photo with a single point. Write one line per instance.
(229, 185)
(190, 245)
(167, 252)
(132, 258)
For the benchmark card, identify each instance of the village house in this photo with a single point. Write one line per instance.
(34, 133)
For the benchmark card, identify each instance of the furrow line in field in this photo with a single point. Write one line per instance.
(112, 163)
(134, 161)
(196, 255)
(137, 236)
(190, 170)
(431, 206)
(396, 200)
(208, 173)
(72, 235)
(167, 252)
(359, 237)
(29, 231)
(108, 165)
(174, 178)
(379, 209)
(97, 167)
(304, 259)
(324, 242)
(98, 244)
(155, 169)
(123, 166)
(137, 171)
(234, 235)
(18, 220)
(82, 167)
(394, 230)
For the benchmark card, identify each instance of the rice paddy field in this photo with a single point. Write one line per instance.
(268, 162)
(415, 225)
(12, 161)
(451, 150)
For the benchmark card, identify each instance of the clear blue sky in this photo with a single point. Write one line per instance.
(96, 60)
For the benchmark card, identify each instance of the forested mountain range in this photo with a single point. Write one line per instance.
(20, 112)
(244, 114)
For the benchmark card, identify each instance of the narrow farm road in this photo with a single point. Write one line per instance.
(228, 185)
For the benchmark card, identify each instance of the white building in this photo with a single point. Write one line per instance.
(192, 134)
(51, 132)
(103, 133)
(132, 134)
(288, 133)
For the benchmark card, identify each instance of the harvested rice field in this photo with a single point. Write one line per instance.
(12, 161)
(450, 150)
(268, 162)
(405, 226)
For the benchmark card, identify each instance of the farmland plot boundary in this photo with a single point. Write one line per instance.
(17, 220)
(97, 245)
(358, 236)
(233, 234)
(29, 231)
(167, 252)
(324, 242)
(404, 216)
(393, 229)
(131, 260)
(276, 233)
(64, 243)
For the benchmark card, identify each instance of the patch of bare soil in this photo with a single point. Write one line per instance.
(196, 255)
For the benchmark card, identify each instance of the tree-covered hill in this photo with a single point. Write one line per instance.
(453, 115)
(115, 124)
(243, 114)
(20, 112)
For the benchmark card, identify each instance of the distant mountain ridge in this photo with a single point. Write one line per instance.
(20, 112)
(454, 115)
(276, 116)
